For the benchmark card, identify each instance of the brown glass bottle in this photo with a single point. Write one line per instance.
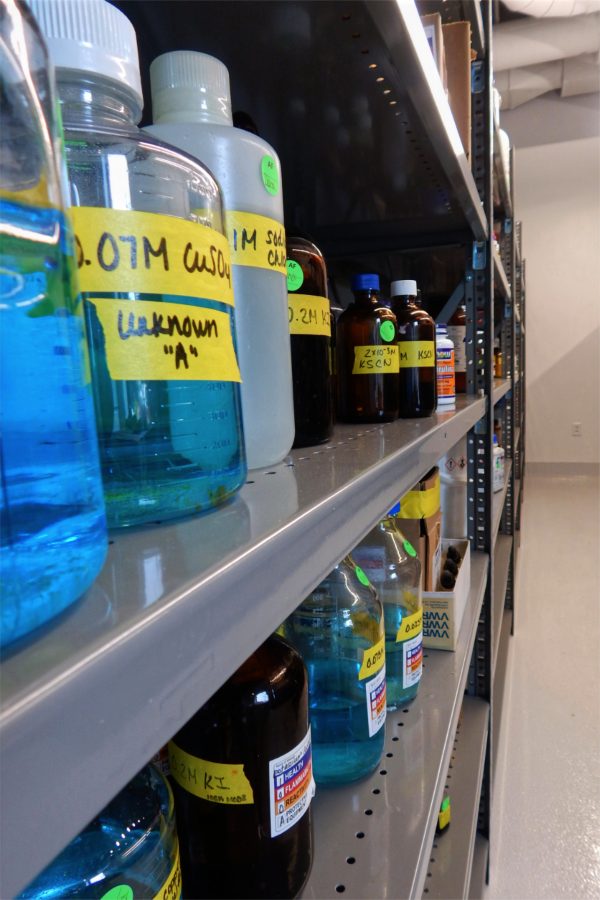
(310, 337)
(367, 356)
(416, 346)
(457, 332)
(241, 771)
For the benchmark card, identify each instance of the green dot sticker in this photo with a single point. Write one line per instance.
(362, 577)
(387, 330)
(409, 548)
(120, 892)
(295, 275)
(269, 174)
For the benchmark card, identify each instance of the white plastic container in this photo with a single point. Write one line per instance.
(191, 108)
(498, 466)
(444, 347)
(453, 481)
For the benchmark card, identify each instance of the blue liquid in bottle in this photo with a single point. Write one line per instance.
(128, 852)
(339, 632)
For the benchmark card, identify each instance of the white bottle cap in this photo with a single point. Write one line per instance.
(91, 36)
(190, 87)
(403, 289)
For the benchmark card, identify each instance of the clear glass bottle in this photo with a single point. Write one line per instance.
(416, 347)
(154, 268)
(52, 526)
(367, 356)
(241, 770)
(128, 852)
(392, 566)
(339, 630)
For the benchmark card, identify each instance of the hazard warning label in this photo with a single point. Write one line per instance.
(291, 785)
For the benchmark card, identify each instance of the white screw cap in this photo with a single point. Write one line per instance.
(190, 87)
(405, 288)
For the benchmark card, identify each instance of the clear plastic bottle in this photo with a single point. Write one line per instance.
(242, 777)
(52, 526)
(154, 266)
(416, 348)
(128, 852)
(191, 107)
(339, 631)
(391, 564)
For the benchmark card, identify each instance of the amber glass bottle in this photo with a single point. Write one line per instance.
(310, 336)
(457, 332)
(416, 346)
(367, 356)
(242, 779)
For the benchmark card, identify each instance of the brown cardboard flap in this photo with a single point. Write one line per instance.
(457, 48)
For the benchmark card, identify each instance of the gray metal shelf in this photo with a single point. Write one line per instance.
(500, 683)
(174, 611)
(405, 792)
(479, 870)
(502, 555)
(501, 387)
(501, 285)
(499, 499)
(451, 863)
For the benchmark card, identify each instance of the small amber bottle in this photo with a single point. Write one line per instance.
(457, 332)
(416, 347)
(367, 356)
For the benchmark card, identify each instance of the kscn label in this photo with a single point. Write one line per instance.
(123, 251)
(309, 314)
(373, 360)
(256, 241)
(216, 782)
(416, 354)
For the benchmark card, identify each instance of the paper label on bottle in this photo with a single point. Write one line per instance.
(295, 275)
(445, 373)
(216, 782)
(374, 360)
(256, 241)
(412, 661)
(171, 889)
(269, 174)
(410, 626)
(372, 560)
(373, 659)
(376, 705)
(416, 354)
(124, 251)
(458, 335)
(291, 785)
(147, 340)
(309, 314)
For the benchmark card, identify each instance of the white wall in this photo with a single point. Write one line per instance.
(557, 197)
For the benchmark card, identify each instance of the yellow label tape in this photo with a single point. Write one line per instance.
(171, 889)
(373, 360)
(410, 626)
(416, 354)
(256, 241)
(122, 251)
(373, 659)
(309, 315)
(152, 341)
(420, 504)
(215, 782)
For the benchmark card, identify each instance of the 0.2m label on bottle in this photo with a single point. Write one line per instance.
(216, 782)
(291, 785)
(376, 360)
(309, 314)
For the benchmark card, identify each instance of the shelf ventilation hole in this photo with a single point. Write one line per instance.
(383, 771)
(395, 738)
(350, 860)
(249, 482)
(376, 791)
(340, 888)
(389, 755)
(360, 835)
(270, 473)
(368, 812)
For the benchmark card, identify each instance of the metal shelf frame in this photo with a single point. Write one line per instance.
(480, 869)
(503, 553)
(501, 387)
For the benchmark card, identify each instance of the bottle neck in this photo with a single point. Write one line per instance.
(366, 298)
(94, 100)
(404, 300)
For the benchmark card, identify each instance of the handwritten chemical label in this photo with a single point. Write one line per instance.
(376, 707)
(373, 659)
(171, 889)
(256, 241)
(295, 275)
(147, 341)
(410, 626)
(269, 174)
(122, 251)
(416, 354)
(291, 785)
(309, 314)
(372, 360)
(215, 782)
(412, 661)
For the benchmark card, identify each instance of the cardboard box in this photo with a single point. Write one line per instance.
(457, 50)
(432, 26)
(421, 522)
(443, 611)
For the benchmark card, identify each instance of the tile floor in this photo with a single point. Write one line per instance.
(546, 822)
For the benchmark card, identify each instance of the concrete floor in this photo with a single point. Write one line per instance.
(546, 822)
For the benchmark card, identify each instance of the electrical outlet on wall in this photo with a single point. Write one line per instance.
(576, 429)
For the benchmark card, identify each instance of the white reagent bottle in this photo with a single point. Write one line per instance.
(191, 106)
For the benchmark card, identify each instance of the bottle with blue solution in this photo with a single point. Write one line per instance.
(128, 852)
(392, 566)
(155, 272)
(339, 631)
(52, 525)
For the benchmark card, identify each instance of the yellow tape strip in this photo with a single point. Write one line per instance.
(420, 504)
(373, 659)
(171, 889)
(216, 782)
(376, 360)
(416, 354)
(256, 241)
(410, 626)
(309, 314)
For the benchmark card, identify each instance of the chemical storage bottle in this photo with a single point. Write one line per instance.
(339, 631)
(457, 332)
(242, 777)
(445, 367)
(128, 852)
(367, 356)
(154, 268)
(416, 348)
(310, 331)
(52, 526)
(498, 466)
(191, 108)
(391, 564)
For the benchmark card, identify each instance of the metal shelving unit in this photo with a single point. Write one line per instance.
(502, 562)
(480, 868)
(500, 499)
(501, 387)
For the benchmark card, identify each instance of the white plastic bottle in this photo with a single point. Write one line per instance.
(444, 347)
(191, 107)
(498, 465)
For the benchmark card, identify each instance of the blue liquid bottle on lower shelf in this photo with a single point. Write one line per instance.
(128, 852)
(339, 631)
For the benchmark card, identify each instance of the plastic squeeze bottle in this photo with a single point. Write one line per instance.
(191, 107)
